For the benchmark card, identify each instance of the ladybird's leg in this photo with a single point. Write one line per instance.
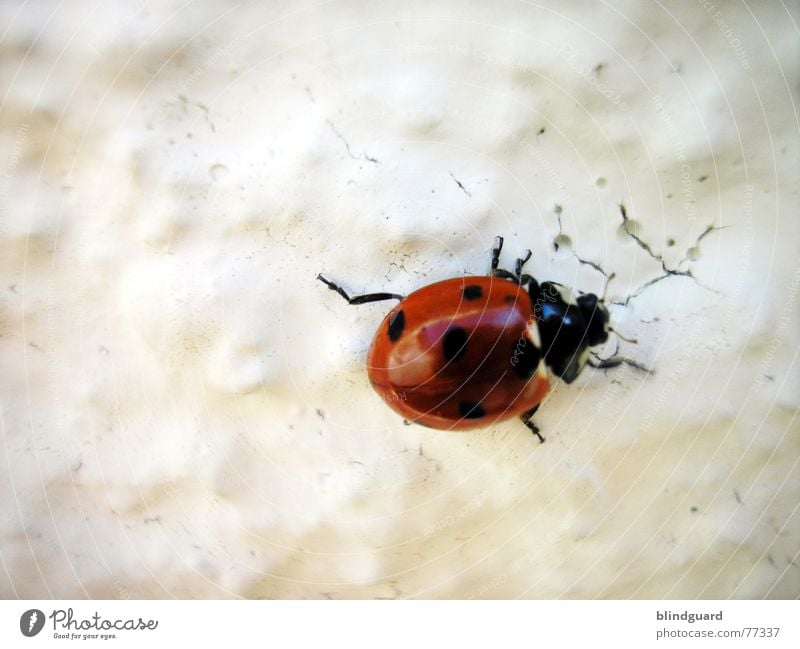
(520, 263)
(616, 361)
(359, 299)
(526, 419)
(605, 363)
(498, 246)
(516, 276)
(600, 363)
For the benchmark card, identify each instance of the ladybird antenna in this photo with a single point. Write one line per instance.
(620, 336)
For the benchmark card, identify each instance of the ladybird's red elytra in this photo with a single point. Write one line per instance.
(456, 361)
(470, 351)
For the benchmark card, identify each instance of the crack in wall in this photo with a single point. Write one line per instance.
(350, 153)
(590, 263)
(458, 182)
(586, 262)
(644, 246)
(667, 272)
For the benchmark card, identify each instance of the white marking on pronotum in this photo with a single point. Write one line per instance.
(533, 334)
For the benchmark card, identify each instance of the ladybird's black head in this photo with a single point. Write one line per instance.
(568, 327)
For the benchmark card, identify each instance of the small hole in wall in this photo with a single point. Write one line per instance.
(562, 244)
(628, 229)
(694, 253)
(601, 182)
(218, 172)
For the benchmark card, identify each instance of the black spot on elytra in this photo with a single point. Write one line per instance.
(471, 409)
(527, 357)
(454, 344)
(509, 299)
(396, 325)
(473, 292)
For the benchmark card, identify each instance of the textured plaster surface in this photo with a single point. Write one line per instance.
(184, 410)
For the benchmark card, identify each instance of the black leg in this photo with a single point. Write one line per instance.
(521, 263)
(498, 246)
(605, 363)
(526, 419)
(517, 276)
(359, 299)
(616, 361)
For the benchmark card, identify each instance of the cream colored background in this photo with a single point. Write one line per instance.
(184, 409)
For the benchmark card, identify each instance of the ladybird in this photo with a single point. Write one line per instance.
(469, 351)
